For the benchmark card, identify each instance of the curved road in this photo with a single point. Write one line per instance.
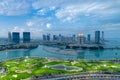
(92, 76)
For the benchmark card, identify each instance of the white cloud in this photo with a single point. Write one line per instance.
(18, 29)
(42, 11)
(95, 9)
(34, 22)
(69, 7)
(48, 25)
(14, 7)
(52, 8)
(36, 32)
(71, 12)
(46, 3)
(21, 7)
(30, 23)
(37, 22)
(111, 27)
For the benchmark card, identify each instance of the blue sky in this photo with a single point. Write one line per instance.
(60, 16)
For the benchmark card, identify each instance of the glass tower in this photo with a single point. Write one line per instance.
(26, 37)
(16, 37)
(97, 37)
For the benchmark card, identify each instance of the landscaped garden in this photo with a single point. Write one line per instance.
(25, 68)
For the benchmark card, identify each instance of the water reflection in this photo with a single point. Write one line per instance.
(39, 52)
(81, 55)
(27, 53)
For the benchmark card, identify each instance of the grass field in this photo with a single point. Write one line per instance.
(24, 68)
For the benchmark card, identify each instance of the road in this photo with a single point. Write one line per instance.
(92, 76)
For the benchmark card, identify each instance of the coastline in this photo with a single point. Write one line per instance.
(41, 52)
(13, 50)
(18, 47)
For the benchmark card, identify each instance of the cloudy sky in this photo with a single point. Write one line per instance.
(60, 16)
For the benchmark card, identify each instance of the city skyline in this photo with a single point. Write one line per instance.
(60, 17)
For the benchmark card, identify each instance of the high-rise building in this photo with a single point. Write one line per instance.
(54, 37)
(60, 37)
(103, 37)
(81, 39)
(73, 38)
(16, 37)
(88, 37)
(44, 37)
(26, 37)
(48, 37)
(97, 37)
(9, 37)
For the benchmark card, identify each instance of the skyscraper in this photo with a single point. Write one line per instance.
(81, 39)
(9, 37)
(97, 37)
(73, 38)
(103, 37)
(44, 37)
(26, 37)
(88, 37)
(48, 37)
(60, 37)
(16, 37)
(54, 37)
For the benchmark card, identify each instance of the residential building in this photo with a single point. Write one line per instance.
(97, 37)
(48, 37)
(54, 37)
(9, 37)
(88, 38)
(26, 37)
(15, 37)
(81, 39)
(102, 37)
(44, 37)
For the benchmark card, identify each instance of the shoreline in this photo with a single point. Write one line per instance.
(18, 47)
(53, 55)
(65, 59)
(13, 50)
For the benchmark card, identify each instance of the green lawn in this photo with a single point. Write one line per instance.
(25, 68)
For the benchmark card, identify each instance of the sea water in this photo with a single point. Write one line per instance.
(87, 54)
